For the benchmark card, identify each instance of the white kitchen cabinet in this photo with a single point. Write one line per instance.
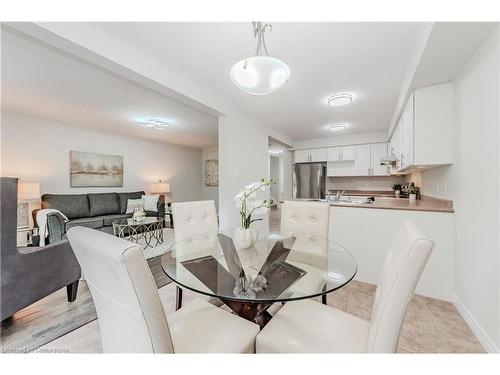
(302, 156)
(319, 154)
(433, 125)
(394, 146)
(343, 153)
(311, 155)
(423, 136)
(334, 154)
(348, 153)
(378, 227)
(377, 152)
(362, 164)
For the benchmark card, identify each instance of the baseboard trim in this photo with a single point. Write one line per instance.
(482, 336)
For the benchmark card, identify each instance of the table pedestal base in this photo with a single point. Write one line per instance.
(252, 311)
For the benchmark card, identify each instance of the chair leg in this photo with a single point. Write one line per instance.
(178, 298)
(323, 299)
(71, 291)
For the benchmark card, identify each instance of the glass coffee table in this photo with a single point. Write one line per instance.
(147, 232)
(249, 281)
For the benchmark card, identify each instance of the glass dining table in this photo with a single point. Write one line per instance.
(250, 280)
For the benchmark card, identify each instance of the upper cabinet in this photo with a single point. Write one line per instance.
(423, 136)
(358, 160)
(302, 156)
(342, 153)
(311, 155)
(377, 152)
(319, 154)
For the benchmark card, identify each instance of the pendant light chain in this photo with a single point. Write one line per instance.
(259, 30)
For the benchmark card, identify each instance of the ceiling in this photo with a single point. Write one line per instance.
(366, 59)
(42, 81)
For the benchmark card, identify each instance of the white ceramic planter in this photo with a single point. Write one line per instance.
(245, 238)
(412, 198)
(397, 193)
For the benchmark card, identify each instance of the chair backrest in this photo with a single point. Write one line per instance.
(407, 257)
(191, 218)
(129, 310)
(305, 217)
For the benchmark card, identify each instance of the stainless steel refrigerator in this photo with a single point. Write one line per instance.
(309, 180)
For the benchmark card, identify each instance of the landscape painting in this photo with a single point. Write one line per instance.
(95, 170)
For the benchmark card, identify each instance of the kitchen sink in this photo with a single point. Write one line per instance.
(353, 199)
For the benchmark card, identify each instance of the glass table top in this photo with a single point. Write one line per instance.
(274, 269)
(131, 222)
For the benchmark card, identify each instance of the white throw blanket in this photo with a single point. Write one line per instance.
(41, 220)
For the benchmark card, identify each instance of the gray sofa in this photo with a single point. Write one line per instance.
(28, 274)
(96, 211)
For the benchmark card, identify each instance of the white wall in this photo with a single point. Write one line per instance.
(209, 192)
(338, 140)
(274, 174)
(36, 149)
(243, 142)
(473, 184)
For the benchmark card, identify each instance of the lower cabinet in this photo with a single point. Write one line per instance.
(367, 233)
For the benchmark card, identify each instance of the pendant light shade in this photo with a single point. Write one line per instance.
(260, 74)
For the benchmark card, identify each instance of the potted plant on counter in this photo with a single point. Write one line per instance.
(251, 210)
(397, 190)
(412, 192)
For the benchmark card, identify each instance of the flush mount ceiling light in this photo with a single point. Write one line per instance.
(339, 100)
(260, 74)
(156, 124)
(335, 127)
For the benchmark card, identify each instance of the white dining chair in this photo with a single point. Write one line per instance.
(301, 218)
(193, 218)
(307, 326)
(131, 310)
(305, 217)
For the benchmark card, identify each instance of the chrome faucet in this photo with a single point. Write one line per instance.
(339, 194)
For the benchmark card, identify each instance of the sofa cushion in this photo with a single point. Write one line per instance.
(72, 205)
(108, 219)
(89, 222)
(123, 197)
(104, 204)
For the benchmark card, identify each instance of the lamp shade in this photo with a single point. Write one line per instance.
(260, 75)
(160, 187)
(28, 191)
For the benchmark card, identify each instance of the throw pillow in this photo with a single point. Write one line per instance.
(134, 203)
(151, 202)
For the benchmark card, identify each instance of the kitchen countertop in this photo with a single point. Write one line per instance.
(423, 204)
(386, 200)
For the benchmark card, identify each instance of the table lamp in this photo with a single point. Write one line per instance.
(160, 187)
(26, 191)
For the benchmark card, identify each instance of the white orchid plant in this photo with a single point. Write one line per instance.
(249, 205)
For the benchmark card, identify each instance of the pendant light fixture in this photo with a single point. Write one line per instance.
(260, 74)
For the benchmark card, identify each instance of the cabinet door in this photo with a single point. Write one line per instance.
(319, 155)
(395, 145)
(302, 156)
(408, 129)
(334, 154)
(362, 162)
(406, 135)
(348, 152)
(378, 151)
